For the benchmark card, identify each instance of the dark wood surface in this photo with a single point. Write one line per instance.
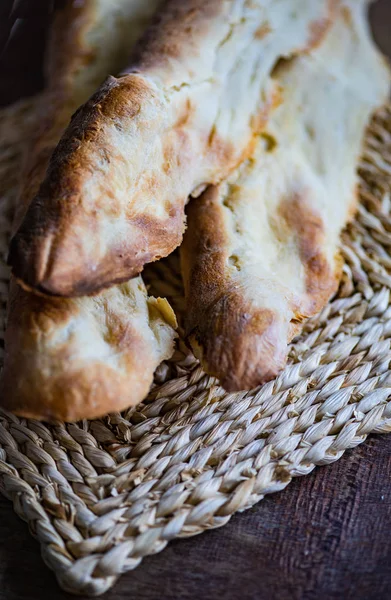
(327, 536)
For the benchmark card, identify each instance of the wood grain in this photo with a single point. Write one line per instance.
(326, 537)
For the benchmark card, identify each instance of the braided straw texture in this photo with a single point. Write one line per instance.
(100, 495)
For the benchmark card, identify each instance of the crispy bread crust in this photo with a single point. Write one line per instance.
(239, 345)
(73, 359)
(116, 187)
(261, 252)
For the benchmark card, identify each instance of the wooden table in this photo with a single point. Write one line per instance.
(327, 536)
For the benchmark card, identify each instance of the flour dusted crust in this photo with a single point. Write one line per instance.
(261, 251)
(184, 114)
(85, 357)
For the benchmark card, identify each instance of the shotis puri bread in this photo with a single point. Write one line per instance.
(184, 114)
(87, 41)
(261, 251)
(77, 358)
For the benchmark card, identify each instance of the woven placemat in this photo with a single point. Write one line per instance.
(100, 495)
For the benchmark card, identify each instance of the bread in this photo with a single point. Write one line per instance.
(72, 359)
(261, 252)
(184, 114)
(81, 358)
(87, 40)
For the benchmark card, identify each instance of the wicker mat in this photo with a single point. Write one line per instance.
(101, 495)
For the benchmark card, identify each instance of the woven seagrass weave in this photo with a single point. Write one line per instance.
(100, 495)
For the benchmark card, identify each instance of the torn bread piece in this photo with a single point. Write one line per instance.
(183, 115)
(71, 359)
(80, 358)
(261, 253)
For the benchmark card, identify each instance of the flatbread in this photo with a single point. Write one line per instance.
(184, 114)
(73, 359)
(261, 253)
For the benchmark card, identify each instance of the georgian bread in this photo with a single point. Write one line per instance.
(184, 114)
(87, 40)
(71, 359)
(81, 358)
(260, 254)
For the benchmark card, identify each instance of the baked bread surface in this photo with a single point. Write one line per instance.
(184, 114)
(81, 358)
(261, 252)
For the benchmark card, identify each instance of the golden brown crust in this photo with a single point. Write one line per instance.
(72, 359)
(321, 278)
(240, 345)
(151, 236)
(116, 188)
(66, 55)
(260, 254)
(177, 27)
(89, 397)
(237, 342)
